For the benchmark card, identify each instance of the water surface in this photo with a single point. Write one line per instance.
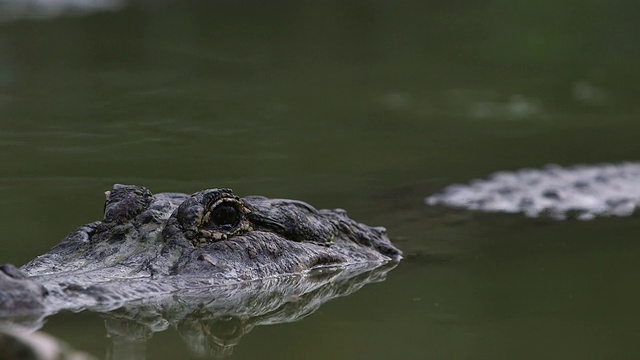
(367, 106)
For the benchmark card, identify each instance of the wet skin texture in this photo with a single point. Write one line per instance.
(150, 245)
(581, 191)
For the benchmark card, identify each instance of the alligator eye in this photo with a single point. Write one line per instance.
(225, 216)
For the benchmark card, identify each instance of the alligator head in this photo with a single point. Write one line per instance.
(150, 245)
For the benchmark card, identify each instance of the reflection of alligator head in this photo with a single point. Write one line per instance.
(212, 321)
(154, 245)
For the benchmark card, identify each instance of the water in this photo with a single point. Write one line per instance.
(367, 106)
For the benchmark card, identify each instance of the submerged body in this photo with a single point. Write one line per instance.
(582, 191)
(152, 245)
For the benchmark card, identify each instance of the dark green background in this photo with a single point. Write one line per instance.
(363, 105)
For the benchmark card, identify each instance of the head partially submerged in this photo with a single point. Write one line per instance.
(149, 244)
(253, 237)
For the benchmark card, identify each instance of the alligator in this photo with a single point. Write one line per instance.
(171, 244)
(583, 192)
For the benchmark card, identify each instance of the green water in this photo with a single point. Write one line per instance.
(367, 106)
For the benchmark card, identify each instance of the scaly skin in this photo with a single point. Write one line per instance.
(581, 191)
(152, 245)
